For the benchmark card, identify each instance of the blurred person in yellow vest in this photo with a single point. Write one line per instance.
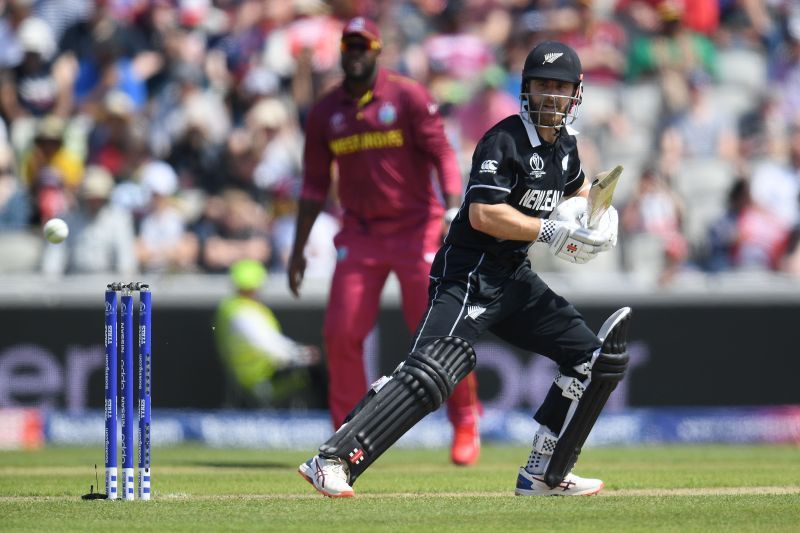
(268, 369)
(49, 152)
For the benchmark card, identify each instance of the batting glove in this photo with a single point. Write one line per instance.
(608, 225)
(571, 210)
(571, 242)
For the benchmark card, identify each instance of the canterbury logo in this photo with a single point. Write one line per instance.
(551, 57)
(490, 166)
(474, 311)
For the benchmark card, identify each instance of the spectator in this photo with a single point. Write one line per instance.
(701, 130)
(234, 228)
(600, 42)
(488, 106)
(747, 236)
(109, 140)
(670, 55)
(15, 12)
(108, 54)
(267, 368)
(775, 183)
(48, 151)
(655, 210)
(102, 238)
(277, 140)
(163, 244)
(15, 212)
(788, 77)
(34, 88)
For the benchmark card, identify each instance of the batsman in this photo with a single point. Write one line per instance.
(526, 185)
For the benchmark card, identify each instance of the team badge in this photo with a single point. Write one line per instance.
(337, 122)
(537, 164)
(387, 114)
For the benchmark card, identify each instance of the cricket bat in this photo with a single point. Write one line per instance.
(601, 193)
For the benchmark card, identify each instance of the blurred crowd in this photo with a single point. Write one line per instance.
(169, 133)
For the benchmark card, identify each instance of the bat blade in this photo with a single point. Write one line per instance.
(601, 194)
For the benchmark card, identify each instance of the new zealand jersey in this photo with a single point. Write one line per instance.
(511, 165)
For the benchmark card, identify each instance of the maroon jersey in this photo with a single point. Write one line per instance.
(386, 147)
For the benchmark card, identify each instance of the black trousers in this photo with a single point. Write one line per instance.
(471, 293)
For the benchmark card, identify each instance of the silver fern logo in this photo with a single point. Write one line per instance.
(551, 57)
(474, 311)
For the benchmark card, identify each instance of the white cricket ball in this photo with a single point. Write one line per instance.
(55, 230)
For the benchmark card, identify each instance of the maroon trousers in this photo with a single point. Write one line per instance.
(364, 264)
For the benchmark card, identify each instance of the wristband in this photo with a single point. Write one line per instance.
(451, 214)
(547, 231)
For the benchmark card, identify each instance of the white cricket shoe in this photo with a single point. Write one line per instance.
(328, 476)
(533, 485)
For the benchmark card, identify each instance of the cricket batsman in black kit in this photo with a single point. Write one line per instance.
(526, 185)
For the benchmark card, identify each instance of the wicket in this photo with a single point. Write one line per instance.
(119, 325)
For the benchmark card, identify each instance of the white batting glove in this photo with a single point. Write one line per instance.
(571, 210)
(608, 225)
(571, 242)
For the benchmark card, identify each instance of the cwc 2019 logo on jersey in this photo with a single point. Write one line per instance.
(537, 166)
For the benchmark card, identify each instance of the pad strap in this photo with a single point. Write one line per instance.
(572, 388)
(544, 442)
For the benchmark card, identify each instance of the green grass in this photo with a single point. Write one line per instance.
(720, 488)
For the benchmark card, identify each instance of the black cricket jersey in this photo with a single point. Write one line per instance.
(512, 165)
(479, 283)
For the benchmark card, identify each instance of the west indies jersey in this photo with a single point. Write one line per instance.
(385, 147)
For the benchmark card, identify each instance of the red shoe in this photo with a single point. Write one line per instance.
(466, 445)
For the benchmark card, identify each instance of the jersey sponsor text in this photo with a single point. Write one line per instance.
(370, 140)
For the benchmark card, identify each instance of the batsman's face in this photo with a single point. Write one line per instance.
(359, 60)
(549, 101)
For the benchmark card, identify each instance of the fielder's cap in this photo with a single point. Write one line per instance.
(364, 27)
(552, 60)
(97, 182)
(248, 274)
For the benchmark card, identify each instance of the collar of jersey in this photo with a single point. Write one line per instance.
(375, 93)
(533, 137)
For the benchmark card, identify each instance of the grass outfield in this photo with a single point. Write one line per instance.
(720, 488)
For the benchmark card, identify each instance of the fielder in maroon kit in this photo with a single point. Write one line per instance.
(382, 134)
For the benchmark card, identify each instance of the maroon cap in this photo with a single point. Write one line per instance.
(365, 28)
